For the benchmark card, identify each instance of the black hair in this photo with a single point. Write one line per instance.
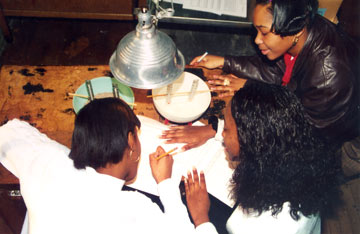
(282, 158)
(101, 133)
(291, 16)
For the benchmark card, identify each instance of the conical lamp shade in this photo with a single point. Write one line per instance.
(146, 58)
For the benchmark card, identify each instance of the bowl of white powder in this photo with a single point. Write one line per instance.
(182, 108)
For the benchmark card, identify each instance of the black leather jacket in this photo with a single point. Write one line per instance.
(325, 77)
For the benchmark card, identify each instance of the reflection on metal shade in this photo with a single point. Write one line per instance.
(146, 58)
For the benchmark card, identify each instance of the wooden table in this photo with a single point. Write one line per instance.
(39, 95)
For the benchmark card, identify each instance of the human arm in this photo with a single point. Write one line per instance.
(209, 61)
(329, 94)
(240, 68)
(255, 67)
(25, 151)
(192, 136)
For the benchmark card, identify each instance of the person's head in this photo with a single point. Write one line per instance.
(280, 156)
(282, 25)
(105, 130)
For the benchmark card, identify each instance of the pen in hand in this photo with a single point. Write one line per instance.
(166, 154)
(202, 57)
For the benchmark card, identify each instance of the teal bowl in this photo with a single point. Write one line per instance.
(102, 85)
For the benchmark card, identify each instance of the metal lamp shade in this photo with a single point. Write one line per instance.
(146, 58)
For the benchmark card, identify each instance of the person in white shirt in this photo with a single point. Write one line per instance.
(81, 191)
(286, 175)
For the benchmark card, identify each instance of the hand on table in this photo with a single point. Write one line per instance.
(209, 62)
(161, 169)
(197, 198)
(225, 85)
(192, 136)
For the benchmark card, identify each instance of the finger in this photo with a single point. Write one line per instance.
(202, 180)
(153, 160)
(186, 185)
(190, 181)
(153, 155)
(173, 133)
(196, 176)
(160, 150)
(194, 61)
(172, 130)
(186, 147)
(232, 76)
(166, 136)
(170, 158)
(226, 94)
(214, 78)
(216, 82)
(170, 141)
(168, 132)
(174, 140)
(222, 87)
(176, 127)
(190, 146)
(219, 77)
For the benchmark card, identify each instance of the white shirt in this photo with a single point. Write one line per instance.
(240, 222)
(62, 199)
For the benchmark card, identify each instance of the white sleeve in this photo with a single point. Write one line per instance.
(220, 129)
(206, 228)
(23, 148)
(175, 210)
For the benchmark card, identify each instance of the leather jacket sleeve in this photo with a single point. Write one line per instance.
(255, 67)
(327, 89)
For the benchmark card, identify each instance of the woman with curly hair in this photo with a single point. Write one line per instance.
(286, 177)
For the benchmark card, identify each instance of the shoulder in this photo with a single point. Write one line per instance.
(326, 40)
(325, 57)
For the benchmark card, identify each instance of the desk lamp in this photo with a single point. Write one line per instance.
(146, 58)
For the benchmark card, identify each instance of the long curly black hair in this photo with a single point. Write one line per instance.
(282, 158)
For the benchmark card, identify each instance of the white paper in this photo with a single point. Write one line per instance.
(175, 1)
(236, 8)
(209, 157)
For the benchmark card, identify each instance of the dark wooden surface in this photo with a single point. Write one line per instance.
(89, 43)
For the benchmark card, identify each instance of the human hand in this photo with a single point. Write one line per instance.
(192, 136)
(197, 198)
(225, 85)
(210, 61)
(161, 168)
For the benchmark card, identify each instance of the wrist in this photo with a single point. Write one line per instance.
(210, 132)
(161, 178)
(222, 60)
(200, 220)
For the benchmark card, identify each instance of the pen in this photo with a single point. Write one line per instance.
(87, 97)
(202, 57)
(176, 94)
(166, 154)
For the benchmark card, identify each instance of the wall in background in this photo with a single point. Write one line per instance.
(194, 40)
(2, 44)
(349, 17)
